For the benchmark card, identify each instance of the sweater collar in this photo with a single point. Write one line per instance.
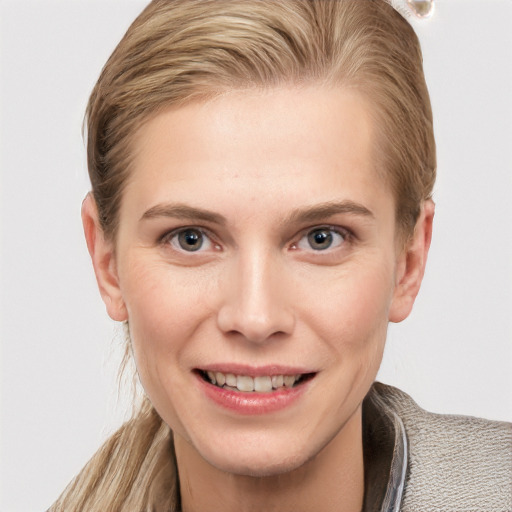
(385, 456)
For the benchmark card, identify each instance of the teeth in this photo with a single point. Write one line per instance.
(277, 381)
(263, 384)
(289, 380)
(231, 380)
(245, 383)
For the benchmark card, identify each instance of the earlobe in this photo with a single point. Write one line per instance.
(103, 260)
(411, 265)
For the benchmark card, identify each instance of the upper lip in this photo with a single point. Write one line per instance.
(255, 371)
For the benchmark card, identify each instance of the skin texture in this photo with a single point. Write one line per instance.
(268, 168)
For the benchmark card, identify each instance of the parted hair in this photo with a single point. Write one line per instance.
(179, 51)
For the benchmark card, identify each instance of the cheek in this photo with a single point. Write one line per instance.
(158, 295)
(352, 312)
(165, 311)
(166, 306)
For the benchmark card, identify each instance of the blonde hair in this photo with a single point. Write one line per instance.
(179, 51)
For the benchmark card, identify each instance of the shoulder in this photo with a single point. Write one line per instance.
(455, 463)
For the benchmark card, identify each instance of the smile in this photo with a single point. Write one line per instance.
(248, 384)
(253, 391)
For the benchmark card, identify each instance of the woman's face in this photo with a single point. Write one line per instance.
(257, 246)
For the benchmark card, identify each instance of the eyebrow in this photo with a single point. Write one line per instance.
(324, 210)
(183, 211)
(309, 214)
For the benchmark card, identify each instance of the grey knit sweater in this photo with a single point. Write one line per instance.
(454, 463)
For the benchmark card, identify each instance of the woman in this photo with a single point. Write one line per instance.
(260, 210)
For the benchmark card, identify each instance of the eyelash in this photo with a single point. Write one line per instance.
(168, 238)
(345, 234)
(171, 238)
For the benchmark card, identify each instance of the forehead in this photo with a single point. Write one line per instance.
(305, 143)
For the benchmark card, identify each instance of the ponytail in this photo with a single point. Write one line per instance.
(135, 470)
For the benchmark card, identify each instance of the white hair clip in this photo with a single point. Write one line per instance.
(419, 8)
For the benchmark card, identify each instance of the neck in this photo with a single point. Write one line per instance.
(332, 481)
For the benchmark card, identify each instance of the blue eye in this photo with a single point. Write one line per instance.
(190, 240)
(320, 239)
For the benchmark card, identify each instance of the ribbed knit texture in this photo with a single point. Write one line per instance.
(456, 463)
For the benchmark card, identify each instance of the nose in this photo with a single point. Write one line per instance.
(256, 302)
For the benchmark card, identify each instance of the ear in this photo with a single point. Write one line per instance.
(411, 265)
(103, 260)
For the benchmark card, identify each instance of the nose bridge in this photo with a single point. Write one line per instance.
(256, 304)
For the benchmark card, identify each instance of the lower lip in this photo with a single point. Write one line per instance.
(251, 403)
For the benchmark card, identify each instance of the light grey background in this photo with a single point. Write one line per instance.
(59, 352)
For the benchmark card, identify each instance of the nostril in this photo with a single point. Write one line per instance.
(256, 312)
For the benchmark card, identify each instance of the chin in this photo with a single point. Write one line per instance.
(260, 467)
(258, 457)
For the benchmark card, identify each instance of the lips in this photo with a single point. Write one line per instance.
(249, 384)
(248, 391)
